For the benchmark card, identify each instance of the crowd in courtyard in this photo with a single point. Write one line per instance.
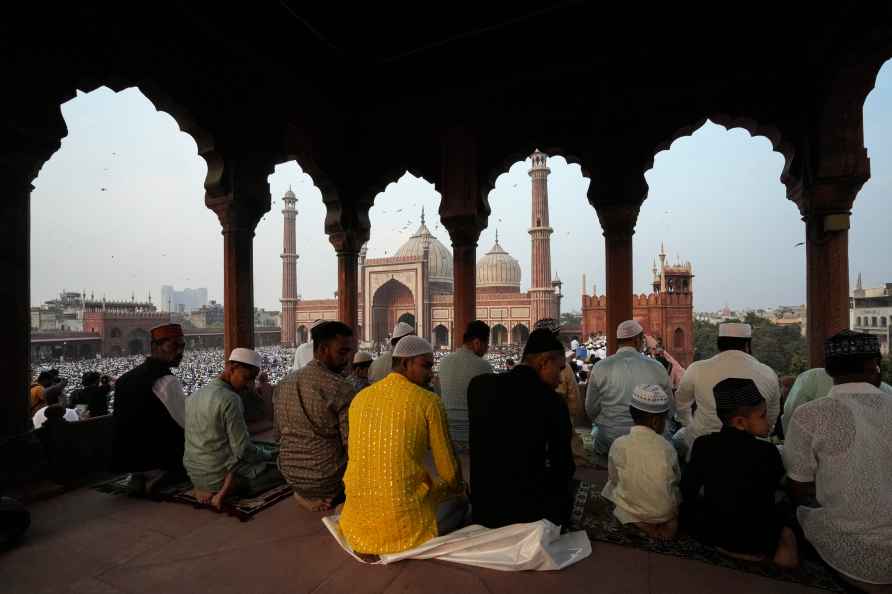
(413, 444)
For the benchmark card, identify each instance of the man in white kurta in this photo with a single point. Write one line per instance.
(733, 360)
(381, 367)
(839, 450)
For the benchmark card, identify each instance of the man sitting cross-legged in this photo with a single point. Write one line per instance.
(521, 463)
(219, 455)
(311, 418)
(393, 503)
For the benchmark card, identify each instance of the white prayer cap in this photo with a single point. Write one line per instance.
(246, 356)
(650, 399)
(361, 357)
(412, 346)
(628, 329)
(735, 330)
(402, 329)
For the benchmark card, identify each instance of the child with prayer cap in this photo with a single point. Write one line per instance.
(642, 468)
(739, 475)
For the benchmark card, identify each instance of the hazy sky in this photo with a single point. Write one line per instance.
(119, 209)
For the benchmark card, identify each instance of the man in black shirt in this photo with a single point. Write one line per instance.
(521, 462)
(739, 475)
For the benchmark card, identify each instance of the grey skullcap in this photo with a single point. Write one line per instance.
(412, 346)
(402, 329)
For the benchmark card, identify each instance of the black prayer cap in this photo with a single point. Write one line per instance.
(734, 392)
(542, 340)
(852, 344)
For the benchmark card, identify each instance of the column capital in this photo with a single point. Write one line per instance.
(347, 242)
(464, 229)
(236, 215)
(618, 219)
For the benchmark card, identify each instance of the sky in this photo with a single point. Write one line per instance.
(119, 211)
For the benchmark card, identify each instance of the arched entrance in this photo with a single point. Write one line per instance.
(520, 334)
(441, 336)
(678, 339)
(498, 335)
(138, 342)
(301, 334)
(392, 302)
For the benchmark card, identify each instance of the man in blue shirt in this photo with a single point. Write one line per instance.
(611, 384)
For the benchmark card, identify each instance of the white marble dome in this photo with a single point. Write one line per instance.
(440, 257)
(498, 269)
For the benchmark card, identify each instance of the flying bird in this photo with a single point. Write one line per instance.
(102, 189)
(800, 243)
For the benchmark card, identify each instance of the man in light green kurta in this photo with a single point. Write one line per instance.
(812, 385)
(219, 455)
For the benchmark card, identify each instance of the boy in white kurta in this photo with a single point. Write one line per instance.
(642, 467)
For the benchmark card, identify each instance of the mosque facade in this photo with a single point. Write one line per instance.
(667, 313)
(415, 285)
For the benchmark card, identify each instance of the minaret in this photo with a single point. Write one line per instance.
(542, 294)
(289, 271)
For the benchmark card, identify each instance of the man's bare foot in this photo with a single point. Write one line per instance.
(203, 497)
(664, 531)
(787, 554)
(313, 505)
(219, 496)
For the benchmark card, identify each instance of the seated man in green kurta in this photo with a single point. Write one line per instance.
(219, 455)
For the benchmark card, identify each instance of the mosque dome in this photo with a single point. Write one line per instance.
(440, 267)
(498, 270)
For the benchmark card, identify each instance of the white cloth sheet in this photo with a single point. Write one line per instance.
(538, 546)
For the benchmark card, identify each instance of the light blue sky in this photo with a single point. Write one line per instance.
(715, 199)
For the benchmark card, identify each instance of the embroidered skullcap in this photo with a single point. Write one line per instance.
(735, 330)
(549, 324)
(412, 346)
(361, 357)
(735, 392)
(402, 329)
(542, 340)
(628, 329)
(246, 356)
(650, 398)
(852, 344)
(317, 323)
(166, 331)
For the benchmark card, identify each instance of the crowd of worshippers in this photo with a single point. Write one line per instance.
(403, 456)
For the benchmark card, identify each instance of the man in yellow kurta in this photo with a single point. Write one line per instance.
(393, 504)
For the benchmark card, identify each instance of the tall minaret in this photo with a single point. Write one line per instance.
(289, 271)
(542, 294)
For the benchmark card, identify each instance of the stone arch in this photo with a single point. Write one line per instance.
(390, 302)
(520, 334)
(302, 334)
(498, 335)
(441, 336)
(138, 342)
(115, 332)
(678, 339)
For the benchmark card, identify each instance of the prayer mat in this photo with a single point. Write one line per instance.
(594, 514)
(243, 508)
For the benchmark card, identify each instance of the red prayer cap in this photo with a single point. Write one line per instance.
(166, 331)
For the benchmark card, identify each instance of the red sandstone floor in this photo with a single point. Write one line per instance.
(89, 542)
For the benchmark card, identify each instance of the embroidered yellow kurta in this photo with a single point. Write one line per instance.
(391, 498)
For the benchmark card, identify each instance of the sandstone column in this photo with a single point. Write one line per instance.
(618, 222)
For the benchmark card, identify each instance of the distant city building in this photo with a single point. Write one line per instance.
(64, 314)
(870, 311)
(267, 319)
(208, 316)
(184, 301)
(666, 314)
